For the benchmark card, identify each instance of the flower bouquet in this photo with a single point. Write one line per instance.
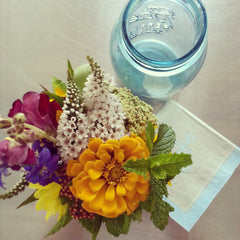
(91, 152)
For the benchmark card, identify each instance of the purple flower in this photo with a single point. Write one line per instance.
(38, 109)
(14, 155)
(44, 171)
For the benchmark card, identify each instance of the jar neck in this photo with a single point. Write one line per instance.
(153, 64)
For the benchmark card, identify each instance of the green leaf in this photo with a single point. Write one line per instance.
(165, 140)
(160, 214)
(158, 173)
(139, 166)
(92, 225)
(59, 87)
(55, 97)
(70, 69)
(87, 223)
(62, 222)
(80, 76)
(149, 135)
(119, 225)
(171, 163)
(96, 226)
(160, 209)
(158, 188)
(137, 215)
(30, 199)
(65, 200)
(147, 205)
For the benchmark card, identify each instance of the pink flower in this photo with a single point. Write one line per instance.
(38, 109)
(14, 155)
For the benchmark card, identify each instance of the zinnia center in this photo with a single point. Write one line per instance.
(114, 173)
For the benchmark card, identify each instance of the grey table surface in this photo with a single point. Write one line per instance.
(36, 39)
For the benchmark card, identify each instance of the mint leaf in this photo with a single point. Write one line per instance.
(118, 225)
(137, 215)
(139, 166)
(158, 188)
(165, 140)
(96, 226)
(92, 225)
(70, 69)
(160, 214)
(160, 209)
(158, 173)
(30, 199)
(80, 76)
(87, 223)
(171, 163)
(147, 205)
(149, 135)
(62, 222)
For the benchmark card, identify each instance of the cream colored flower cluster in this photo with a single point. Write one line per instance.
(98, 113)
(104, 111)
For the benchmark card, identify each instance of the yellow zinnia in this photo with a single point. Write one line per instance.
(49, 199)
(100, 181)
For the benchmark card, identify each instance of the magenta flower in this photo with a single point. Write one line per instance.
(38, 109)
(15, 156)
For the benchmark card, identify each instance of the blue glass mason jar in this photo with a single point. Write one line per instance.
(158, 46)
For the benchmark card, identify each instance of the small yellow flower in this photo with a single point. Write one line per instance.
(49, 199)
(59, 91)
(100, 181)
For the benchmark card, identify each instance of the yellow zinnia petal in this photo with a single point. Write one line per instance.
(88, 165)
(114, 143)
(133, 177)
(121, 205)
(129, 185)
(132, 204)
(87, 155)
(76, 168)
(142, 188)
(82, 183)
(109, 207)
(94, 174)
(120, 189)
(98, 201)
(143, 197)
(98, 164)
(103, 185)
(97, 184)
(105, 147)
(119, 155)
(143, 179)
(105, 157)
(69, 167)
(94, 143)
(87, 195)
(131, 194)
(110, 193)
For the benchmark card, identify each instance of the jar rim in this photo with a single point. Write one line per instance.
(147, 62)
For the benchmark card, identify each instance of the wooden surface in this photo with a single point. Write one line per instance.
(36, 39)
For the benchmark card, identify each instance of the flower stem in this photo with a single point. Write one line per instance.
(40, 133)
